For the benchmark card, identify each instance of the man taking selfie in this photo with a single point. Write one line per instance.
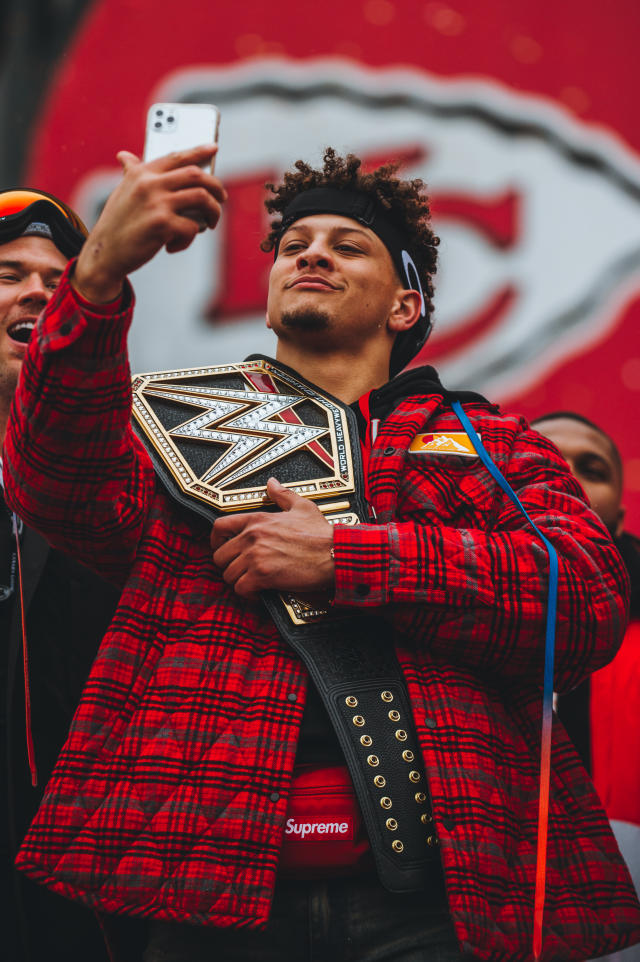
(383, 708)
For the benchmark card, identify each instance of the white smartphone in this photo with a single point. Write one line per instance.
(172, 127)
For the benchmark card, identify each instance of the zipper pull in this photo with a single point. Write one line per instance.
(374, 425)
(31, 755)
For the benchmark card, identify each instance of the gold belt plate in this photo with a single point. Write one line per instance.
(220, 432)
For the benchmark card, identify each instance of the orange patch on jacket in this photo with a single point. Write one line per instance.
(456, 442)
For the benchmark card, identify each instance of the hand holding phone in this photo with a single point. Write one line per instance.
(160, 202)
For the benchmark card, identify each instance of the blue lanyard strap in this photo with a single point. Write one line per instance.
(547, 691)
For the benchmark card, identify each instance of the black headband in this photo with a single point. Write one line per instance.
(363, 208)
(366, 210)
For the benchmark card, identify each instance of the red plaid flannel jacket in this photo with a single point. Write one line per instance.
(170, 795)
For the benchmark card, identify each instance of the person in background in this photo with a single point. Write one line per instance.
(602, 714)
(67, 608)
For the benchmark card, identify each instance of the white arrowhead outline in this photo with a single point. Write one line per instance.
(297, 435)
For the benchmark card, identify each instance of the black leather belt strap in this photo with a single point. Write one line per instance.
(358, 677)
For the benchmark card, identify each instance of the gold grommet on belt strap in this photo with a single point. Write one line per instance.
(351, 701)
(397, 845)
(432, 840)
(394, 715)
(401, 735)
(386, 802)
(420, 798)
(414, 776)
(373, 760)
(358, 721)
(426, 819)
(366, 740)
(379, 781)
(386, 696)
(391, 824)
(408, 755)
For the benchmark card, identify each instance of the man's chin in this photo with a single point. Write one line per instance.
(306, 320)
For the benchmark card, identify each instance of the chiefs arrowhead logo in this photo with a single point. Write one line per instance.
(539, 214)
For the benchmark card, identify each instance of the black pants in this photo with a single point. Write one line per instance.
(342, 920)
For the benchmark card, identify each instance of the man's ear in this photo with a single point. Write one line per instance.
(267, 321)
(622, 510)
(405, 312)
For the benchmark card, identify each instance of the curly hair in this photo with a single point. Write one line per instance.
(405, 203)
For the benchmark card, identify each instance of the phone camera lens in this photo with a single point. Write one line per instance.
(170, 119)
(159, 113)
(157, 125)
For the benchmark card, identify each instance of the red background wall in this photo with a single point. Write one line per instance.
(579, 54)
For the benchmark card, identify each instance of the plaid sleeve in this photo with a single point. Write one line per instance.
(478, 597)
(72, 467)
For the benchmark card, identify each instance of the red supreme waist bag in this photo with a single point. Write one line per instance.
(324, 834)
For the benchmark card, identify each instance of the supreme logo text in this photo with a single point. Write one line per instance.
(319, 827)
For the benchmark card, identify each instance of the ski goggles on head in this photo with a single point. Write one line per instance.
(28, 212)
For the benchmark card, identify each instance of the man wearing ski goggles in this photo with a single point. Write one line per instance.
(66, 607)
(38, 235)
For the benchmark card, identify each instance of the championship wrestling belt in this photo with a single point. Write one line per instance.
(215, 436)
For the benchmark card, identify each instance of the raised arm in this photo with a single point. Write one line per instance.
(73, 468)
